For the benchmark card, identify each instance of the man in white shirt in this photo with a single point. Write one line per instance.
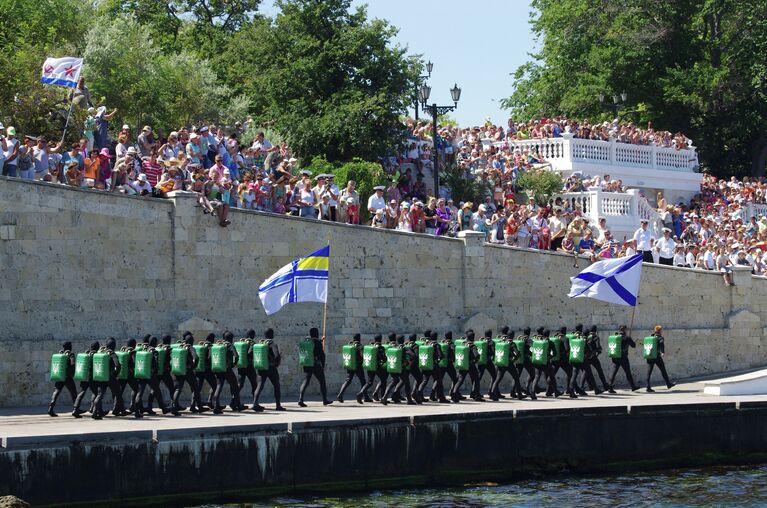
(691, 257)
(41, 154)
(665, 248)
(644, 241)
(557, 228)
(708, 257)
(262, 143)
(377, 201)
(141, 186)
(333, 191)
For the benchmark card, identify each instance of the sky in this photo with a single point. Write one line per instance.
(474, 44)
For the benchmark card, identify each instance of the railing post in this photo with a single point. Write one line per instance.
(567, 148)
(611, 148)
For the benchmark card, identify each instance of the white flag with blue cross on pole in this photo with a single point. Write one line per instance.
(611, 280)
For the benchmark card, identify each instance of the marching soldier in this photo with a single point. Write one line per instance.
(505, 356)
(227, 376)
(527, 364)
(471, 370)
(564, 362)
(489, 365)
(593, 350)
(356, 350)
(188, 376)
(654, 351)
(623, 360)
(248, 372)
(274, 358)
(379, 351)
(411, 351)
(398, 370)
(317, 370)
(205, 375)
(436, 372)
(68, 374)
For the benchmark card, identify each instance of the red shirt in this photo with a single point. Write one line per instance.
(153, 172)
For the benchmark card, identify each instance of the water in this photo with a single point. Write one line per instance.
(719, 486)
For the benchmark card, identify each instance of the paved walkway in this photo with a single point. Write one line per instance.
(25, 422)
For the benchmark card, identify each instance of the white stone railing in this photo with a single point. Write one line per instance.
(755, 210)
(623, 210)
(607, 153)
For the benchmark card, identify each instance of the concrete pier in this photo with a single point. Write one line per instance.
(167, 460)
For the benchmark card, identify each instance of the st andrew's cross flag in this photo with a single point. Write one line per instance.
(611, 280)
(62, 71)
(303, 280)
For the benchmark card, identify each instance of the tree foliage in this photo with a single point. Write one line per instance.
(695, 66)
(320, 75)
(327, 78)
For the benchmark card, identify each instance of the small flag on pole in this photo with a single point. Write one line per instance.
(612, 280)
(303, 280)
(62, 71)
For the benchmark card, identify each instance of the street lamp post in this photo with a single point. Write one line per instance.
(429, 68)
(619, 102)
(435, 111)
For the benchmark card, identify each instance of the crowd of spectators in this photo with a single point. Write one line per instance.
(712, 232)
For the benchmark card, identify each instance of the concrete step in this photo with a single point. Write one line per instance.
(752, 383)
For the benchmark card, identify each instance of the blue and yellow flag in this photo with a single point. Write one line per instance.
(303, 280)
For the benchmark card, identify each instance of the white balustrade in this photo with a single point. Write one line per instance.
(610, 153)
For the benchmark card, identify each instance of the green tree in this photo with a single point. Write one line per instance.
(31, 31)
(694, 66)
(327, 78)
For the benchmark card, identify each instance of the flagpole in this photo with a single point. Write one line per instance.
(633, 311)
(66, 124)
(325, 312)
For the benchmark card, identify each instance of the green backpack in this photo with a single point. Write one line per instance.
(59, 366)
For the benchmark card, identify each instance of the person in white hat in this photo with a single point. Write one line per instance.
(405, 222)
(142, 185)
(171, 148)
(644, 241)
(193, 149)
(665, 248)
(377, 201)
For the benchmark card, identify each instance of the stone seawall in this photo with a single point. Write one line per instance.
(82, 265)
(184, 467)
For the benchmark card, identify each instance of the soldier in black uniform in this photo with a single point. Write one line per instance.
(527, 366)
(114, 369)
(402, 380)
(411, 349)
(317, 371)
(380, 373)
(86, 385)
(359, 372)
(546, 371)
(564, 363)
(438, 390)
(449, 370)
(490, 363)
(154, 381)
(130, 346)
(231, 360)
(188, 377)
(381, 386)
(623, 361)
(207, 375)
(69, 383)
(658, 361)
(248, 372)
(516, 390)
(165, 376)
(473, 372)
(591, 359)
(272, 374)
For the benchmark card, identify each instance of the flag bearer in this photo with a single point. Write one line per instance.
(623, 361)
(316, 369)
